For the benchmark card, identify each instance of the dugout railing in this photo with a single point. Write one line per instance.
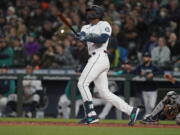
(20, 74)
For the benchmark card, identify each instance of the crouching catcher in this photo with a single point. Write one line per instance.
(167, 109)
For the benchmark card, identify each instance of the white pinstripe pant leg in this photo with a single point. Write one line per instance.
(94, 67)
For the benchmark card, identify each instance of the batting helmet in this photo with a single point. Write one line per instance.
(99, 12)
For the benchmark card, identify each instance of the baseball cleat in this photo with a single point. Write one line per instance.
(133, 116)
(89, 120)
(149, 120)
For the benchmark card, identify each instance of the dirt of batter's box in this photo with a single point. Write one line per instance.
(10, 123)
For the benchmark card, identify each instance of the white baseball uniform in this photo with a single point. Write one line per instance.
(97, 68)
(29, 88)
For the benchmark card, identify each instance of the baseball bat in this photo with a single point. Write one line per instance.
(64, 20)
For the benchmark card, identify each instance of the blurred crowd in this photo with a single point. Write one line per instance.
(31, 32)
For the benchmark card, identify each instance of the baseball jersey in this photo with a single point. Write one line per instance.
(102, 27)
(31, 86)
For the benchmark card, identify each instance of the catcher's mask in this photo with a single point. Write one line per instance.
(172, 94)
(171, 97)
(95, 12)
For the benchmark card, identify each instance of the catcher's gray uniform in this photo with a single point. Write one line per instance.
(168, 108)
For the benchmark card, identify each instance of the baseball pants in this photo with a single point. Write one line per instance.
(96, 70)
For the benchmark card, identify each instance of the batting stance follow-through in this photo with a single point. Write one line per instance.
(96, 34)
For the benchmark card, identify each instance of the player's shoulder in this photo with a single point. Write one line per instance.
(86, 26)
(105, 23)
(105, 27)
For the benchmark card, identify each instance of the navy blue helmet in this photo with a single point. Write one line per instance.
(98, 14)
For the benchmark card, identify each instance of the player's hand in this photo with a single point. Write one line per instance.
(81, 36)
(142, 73)
(127, 67)
(149, 75)
(170, 78)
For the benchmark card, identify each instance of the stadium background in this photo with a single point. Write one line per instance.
(133, 22)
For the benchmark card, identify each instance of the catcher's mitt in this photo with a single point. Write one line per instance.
(169, 77)
(170, 111)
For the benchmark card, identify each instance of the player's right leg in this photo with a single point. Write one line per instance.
(90, 72)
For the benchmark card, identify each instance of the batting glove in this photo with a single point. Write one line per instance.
(81, 36)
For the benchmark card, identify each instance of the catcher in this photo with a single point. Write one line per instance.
(168, 108)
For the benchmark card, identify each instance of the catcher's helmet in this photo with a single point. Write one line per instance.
(172, 94)
(99, 12)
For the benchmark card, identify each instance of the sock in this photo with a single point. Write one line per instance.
(89, 108)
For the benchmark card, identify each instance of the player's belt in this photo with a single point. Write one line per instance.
(94, 53)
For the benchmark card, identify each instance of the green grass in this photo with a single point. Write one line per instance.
(84, 130)
(57, 130)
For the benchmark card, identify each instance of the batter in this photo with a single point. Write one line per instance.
(96, 34)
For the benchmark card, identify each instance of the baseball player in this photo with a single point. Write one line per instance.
(167, 108)
(65, 102)
(96, 34)
(31, 98)
(148, 88)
